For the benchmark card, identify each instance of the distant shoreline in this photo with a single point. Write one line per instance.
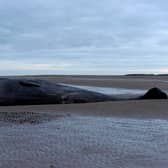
(82, 75)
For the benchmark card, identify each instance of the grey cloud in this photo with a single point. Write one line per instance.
(105, 31)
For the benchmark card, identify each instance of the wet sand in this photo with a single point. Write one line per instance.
(97, 135)
(129, 82)
(86, 141)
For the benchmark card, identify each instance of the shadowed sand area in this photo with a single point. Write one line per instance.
(118, 134)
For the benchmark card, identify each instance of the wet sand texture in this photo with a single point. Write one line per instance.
(27, 117)
(86, 142)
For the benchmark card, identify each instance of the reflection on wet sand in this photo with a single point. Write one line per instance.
(78, 141)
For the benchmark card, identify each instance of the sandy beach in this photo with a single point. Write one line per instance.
(131, 82)
(124, 134)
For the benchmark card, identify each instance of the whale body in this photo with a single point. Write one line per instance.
(29, 92)
(154, 93)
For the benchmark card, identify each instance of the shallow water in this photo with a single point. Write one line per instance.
(86, 142)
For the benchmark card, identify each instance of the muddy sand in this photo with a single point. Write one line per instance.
(94, 135)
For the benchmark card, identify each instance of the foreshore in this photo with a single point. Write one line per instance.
(103, 134)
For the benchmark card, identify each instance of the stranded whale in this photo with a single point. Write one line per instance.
(29, 92)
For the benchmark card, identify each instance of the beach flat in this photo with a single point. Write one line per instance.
(104, 134)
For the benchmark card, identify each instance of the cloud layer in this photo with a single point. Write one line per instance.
(83, 36)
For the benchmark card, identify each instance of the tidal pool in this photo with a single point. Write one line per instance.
(85, 142)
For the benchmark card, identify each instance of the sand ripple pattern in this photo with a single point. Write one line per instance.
(85, 142)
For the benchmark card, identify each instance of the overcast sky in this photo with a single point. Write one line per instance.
(83, 36)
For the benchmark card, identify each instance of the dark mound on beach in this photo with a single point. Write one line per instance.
(27, 92)
(154, 93)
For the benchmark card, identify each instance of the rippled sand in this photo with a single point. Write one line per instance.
(85, 141)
